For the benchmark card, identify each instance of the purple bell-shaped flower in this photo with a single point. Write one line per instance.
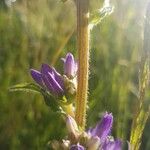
(50, 79)
(97, 138)
(103, 128)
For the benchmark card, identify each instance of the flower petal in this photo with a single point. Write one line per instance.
(55, 84)
(113, 145)
(46, 69)
(70, 66)
(103, 128)
(72, 125)
(48, 84)
(77, 147)
(117, 145)
(36, 75)
(58, 78)
(52, 84)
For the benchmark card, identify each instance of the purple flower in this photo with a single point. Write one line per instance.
(50, 79)
(112, 145)
(103, 128)
(70, 66)
(77, 147)
(37, 76)
(58, 91)
(95, 138)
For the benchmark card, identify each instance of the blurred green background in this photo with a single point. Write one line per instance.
(33, 32)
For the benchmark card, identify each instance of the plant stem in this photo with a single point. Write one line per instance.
(143, 110)
(83, 62)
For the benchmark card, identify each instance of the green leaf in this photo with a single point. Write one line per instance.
(26, 87)
(100, 14)
(49, 99)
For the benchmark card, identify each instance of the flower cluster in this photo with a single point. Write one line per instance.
(60, 86)
(97, 138)
(57, 85)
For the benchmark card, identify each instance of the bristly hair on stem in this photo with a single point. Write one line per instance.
(142, 113)
(83, 61)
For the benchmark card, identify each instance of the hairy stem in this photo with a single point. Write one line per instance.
(83, 62)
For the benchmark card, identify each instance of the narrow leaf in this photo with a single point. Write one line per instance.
(26, 87)
(100, 14)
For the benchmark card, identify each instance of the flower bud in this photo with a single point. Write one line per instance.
(70, 66)
(72, 126)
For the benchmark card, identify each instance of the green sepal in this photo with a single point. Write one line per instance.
(51, 101)
(65, 100)
(70, 98)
